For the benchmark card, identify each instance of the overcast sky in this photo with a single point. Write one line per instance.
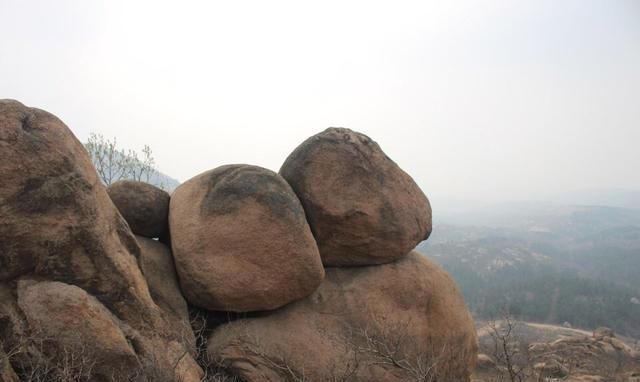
(481, 99)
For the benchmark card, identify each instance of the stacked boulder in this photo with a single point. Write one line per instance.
(73, 299)
(246, 239)
(363, 209)
(241, 242)
(316, 260)
(145, 208)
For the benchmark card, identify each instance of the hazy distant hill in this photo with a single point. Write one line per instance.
(611, 198)
(162, 180)
(167, 182)
(547, 262)
(113, 163)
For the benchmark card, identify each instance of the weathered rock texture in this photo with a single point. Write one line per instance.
(76, 323)
(362, 208)
(557, 354)
(359, 322)
(241, 242)
(82, 298)
(144, 206)
(157, 266)
(601, 355)
(57, 224)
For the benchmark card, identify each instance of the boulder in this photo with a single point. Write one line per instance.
(144, 206)
(597, 355)
(160, 273)
(78, 325)
(485, 362)
(58, 224)
(550, 369)
(603, 332)
(358, 323)
(56, 219)
(241, 242)
(362, 208)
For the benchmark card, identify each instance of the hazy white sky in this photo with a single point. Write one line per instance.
(478, 99)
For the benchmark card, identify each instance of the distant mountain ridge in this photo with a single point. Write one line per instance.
(158, 179)
(164, 181)
(113, 163)
(609, 198)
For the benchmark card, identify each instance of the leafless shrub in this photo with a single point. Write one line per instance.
(113, 163)
(352, 359)
(214, 371)
(389, 347)
(277, 362)
(40, 360)
(392, 347)
(511, 364)
(517, 361)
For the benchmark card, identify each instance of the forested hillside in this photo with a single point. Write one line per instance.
(555, 264)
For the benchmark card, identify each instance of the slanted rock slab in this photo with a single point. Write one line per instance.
(158, 268)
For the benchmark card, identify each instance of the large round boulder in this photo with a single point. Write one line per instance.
(56, 219)
(403, 321)
(241, 242)
(59, 227)
(363, 209)
(144, 206)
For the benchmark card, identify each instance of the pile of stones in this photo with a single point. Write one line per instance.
(306, 274)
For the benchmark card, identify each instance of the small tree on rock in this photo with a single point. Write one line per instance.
(113, 163)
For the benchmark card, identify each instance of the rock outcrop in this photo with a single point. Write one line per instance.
(57, 224)
(553, 353)
(358, 323)
(603, 332)
(144, 206)
(82, 298)
(241, 242)
(582, 358)
(485, 362)
(363, 209)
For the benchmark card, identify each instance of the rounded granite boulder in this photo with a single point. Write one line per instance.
(390, 322)
(362, 208)
(144, 206)
(241, 241)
